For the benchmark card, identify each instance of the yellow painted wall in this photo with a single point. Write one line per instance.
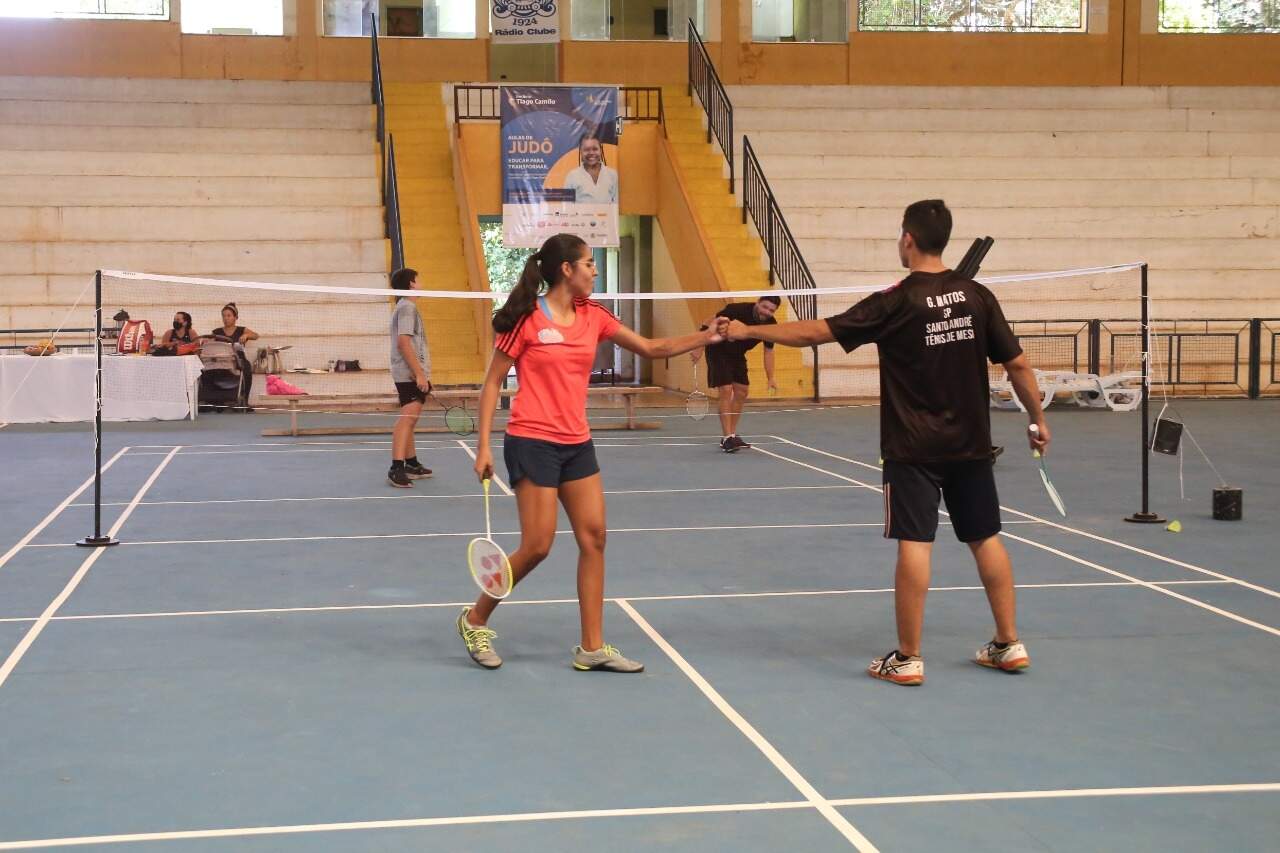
(1127, 53)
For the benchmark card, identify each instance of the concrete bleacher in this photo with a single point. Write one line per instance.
(253, 180)
(1187, 180)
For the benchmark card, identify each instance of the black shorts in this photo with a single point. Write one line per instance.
(726, 370)
(546, 463)
(911, 493)
(410, 393)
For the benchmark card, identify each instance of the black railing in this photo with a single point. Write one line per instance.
(1216, 355)
(484, 103)
(14, 334)
(390, 186)
(787, 266)
(704, 80)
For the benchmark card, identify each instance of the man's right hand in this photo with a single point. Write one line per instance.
(424, 384)
(1039, 437)
(484, 464)
(735, 330)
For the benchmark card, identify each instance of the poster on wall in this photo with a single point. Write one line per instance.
(524, 21)
(559, 156)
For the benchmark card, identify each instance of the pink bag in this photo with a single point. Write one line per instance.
(276, 385)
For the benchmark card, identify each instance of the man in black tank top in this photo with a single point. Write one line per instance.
(935, 332)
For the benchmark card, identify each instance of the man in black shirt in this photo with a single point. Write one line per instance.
(727, 366)
(935, 333)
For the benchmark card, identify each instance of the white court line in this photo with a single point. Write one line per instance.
(497, 479)
(25, 643)
(657, 811)
(1086, 534)
(235, 451)
(1080, 560)
(48, 519)
(443, 442)
(697, 596)
(481, 494)
(806, 789)
(475, 533)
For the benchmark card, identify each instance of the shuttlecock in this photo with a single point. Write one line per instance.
(1175, 526)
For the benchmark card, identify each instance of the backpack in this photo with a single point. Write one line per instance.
(135, 336)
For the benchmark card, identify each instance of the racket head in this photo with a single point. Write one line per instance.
(1050, 489)
(697, 405)
(490, 568)
(459, 420)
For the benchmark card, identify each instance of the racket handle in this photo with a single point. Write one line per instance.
(1034, 429)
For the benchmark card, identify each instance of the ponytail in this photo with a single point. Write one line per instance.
(522, 297)
(542, 266)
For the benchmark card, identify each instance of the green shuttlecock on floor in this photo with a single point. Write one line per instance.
(1175, 526)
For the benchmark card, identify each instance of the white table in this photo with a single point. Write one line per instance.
(60, 388)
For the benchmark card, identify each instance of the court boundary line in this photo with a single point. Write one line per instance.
(20, 650)
(693, 596)
(496, 478)
(68, 501)
(651, 811)
(1065, 528)
(838, 821)
(286, 449)
(1073, 558)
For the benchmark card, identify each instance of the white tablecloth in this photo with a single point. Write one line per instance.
(59, 388)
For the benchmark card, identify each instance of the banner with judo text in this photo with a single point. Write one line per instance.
(559, 144)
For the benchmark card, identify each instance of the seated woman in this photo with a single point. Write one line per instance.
(230, 332)
(181, 333)
(235, 334)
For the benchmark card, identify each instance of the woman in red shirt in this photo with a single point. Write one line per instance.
(551, 340)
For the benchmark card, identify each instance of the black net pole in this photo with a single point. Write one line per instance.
(97, 540)
(1145, 515)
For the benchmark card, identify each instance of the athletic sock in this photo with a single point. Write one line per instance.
(1000, 646)
(411, 462)
(397, 463)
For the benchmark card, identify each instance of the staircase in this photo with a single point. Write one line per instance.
(432, 231)
(734, 245)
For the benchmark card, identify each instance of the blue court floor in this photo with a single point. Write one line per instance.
(268, 661)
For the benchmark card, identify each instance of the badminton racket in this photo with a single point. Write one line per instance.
(488, 563)
(456, 419)
(1044, 477)
(696, 405)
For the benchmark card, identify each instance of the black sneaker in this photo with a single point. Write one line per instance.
(399, 478)
(728, 445)
(737, 440)
(417, 472)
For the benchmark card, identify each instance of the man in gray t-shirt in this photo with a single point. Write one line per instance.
(410, 371)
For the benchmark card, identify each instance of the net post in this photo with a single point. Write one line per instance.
(1145, 516)
(97, 540)
(817, 394)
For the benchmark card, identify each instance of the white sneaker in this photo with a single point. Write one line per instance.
(1011, 658)
(909, 672)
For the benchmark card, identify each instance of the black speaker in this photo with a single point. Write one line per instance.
(1228, 503)
(1168, 436)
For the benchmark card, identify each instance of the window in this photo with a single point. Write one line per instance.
(636, 20)
(455, 19)
(1220, 16)
(156, 10)
(973, 15)
(233, 17)
(800, 20)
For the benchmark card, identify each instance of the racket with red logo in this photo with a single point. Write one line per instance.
(488, 563)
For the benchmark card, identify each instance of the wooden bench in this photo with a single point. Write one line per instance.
(295, 403)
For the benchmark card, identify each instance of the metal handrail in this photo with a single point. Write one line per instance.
(704, 80)
(638, 103)
(787, 266)
(390, 186)
(391, 192)
(379, 99)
